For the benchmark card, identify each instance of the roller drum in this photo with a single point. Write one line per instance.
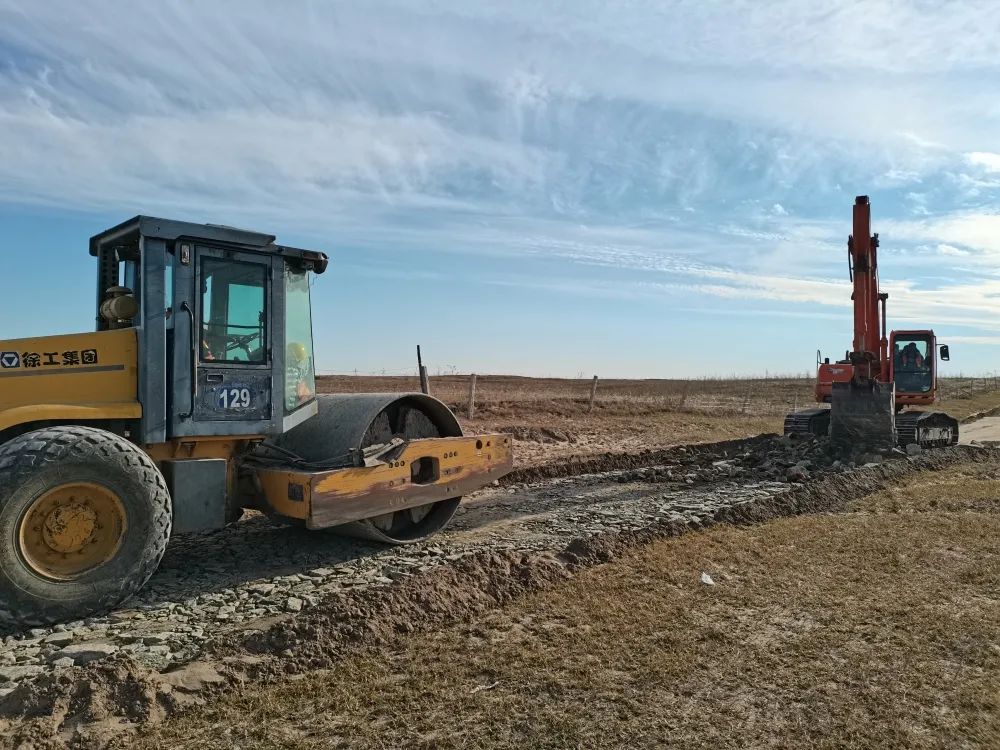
(349, 423)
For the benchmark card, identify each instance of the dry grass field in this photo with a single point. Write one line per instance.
(875, 628)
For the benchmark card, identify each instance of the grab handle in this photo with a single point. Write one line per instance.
(194, 360)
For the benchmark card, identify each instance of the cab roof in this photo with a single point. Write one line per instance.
(128, 234)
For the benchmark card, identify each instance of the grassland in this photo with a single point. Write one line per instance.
(876, 628)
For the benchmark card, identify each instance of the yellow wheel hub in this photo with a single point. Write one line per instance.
(72, 529)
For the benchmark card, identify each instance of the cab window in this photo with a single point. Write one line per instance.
(912, 360)
(234, 312)
(300, 371)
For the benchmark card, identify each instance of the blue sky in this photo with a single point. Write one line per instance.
(633, 188)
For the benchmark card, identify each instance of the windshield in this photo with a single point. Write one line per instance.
(912, 360)
(300, 372)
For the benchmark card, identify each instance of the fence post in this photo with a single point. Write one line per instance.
(593, 395)
(425, 381)
(472, 396)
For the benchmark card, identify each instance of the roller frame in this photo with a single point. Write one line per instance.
(343, 496)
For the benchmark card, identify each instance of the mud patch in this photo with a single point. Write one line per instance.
(544, 435)
(991, 412)
(577, 466)
(477, 583)
(84, 707)
(794, 459)
(828, 494)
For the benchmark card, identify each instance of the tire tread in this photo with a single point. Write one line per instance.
(52, 446)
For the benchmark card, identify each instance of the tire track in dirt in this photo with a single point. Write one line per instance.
(622, 461)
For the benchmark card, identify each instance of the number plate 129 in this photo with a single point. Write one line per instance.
(234, 397)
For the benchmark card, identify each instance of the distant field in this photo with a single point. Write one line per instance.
(772, 396)
(630, 396)
(551, 421)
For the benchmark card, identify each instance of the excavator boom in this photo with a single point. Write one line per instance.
(870, 342)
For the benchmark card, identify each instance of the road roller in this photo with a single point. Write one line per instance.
(193, 400)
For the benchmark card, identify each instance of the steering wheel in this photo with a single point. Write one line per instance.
(236, 341)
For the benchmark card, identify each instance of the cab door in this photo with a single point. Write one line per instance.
(913, 366)
(223, 361)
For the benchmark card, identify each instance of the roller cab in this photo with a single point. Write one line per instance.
(194, 399)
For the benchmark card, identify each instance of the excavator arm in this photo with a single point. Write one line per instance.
(863, 409)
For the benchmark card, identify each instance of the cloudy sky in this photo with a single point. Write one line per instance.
(630, 188)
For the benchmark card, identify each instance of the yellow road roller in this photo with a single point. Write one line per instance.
(195, 398)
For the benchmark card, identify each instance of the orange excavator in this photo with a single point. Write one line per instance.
(870, 389)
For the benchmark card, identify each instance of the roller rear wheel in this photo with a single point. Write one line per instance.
(85, 517)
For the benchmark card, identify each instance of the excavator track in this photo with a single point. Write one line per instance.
(808, 422)
(928, 429)
(924, 428)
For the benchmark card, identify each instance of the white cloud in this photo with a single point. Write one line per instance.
(634, 262)
(808, 34)
(945, 249)
(973, 305)
(712, 149)
(231, 157)
(564, 107)
(985, 159)
(969, 230)
(981, 340)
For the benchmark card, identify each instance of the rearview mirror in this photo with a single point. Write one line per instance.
(945, 353)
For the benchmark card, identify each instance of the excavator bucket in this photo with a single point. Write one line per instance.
(863, 416)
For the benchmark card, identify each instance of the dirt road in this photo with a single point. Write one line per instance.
(986, 430)
(223, 600)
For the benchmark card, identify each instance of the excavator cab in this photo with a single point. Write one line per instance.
(912, 366)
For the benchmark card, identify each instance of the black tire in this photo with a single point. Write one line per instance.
(37, 462)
